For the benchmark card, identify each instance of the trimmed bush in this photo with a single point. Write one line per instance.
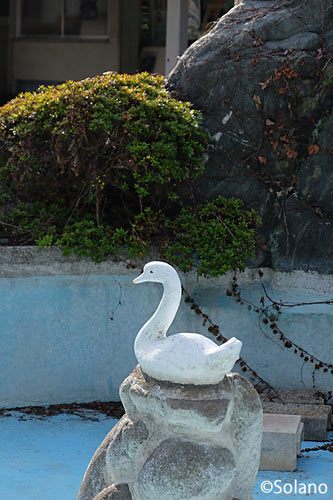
(102, 163)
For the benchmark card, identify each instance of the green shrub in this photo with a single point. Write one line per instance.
(218, 235)
(113, 137)
(109, 162)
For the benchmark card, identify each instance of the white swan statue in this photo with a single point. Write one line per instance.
(183, 358)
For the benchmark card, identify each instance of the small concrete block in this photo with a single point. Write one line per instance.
(280, 442)
(316, 418)
(299, 438)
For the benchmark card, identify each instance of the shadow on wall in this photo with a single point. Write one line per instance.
(5, 97)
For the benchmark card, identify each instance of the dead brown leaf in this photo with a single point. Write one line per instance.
(265, 84)
(257, 100)
(313, 149)
(290, 153)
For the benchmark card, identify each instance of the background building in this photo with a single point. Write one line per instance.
(50, 41)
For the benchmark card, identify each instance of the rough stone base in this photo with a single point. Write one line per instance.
(119, 492)
(179, 442)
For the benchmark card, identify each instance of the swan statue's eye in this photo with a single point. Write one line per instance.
(151, 271)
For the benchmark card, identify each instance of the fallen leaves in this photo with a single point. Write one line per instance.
(288, 72)
(257, 100)
(290, 153)
(285, 72)
(278, 75)
(318, 212)
(313, 149)
(265, 84)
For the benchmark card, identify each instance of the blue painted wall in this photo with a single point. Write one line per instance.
(59, 344)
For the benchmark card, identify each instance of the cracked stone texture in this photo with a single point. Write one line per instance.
(179, 441)
(262, 78)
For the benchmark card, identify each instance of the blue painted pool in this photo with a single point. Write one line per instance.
(45, 459)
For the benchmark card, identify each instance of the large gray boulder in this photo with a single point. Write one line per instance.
(179, 442)
(262, 78)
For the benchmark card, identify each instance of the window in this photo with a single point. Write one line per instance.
(4, 8)
(63, 18)
(153, 22)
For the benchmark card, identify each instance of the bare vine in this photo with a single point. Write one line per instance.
(268, 314)
(260, 384)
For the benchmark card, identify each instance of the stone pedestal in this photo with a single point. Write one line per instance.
(179, 442)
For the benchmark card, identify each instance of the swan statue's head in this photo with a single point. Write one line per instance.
(158, 272)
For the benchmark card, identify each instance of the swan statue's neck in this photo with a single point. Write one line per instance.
(158, 325)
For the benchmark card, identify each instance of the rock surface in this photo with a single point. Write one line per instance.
(179, 442)
(263, 79)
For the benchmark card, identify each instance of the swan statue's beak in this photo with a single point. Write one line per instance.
(139, 279)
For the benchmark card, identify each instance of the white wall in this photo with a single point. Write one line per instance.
(63, 60)
(68, 59)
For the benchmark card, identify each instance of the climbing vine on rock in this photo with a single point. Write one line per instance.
(263, 79)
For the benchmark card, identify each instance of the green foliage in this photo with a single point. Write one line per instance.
(111, 162)
(88, 240)
(216, 236)
(110, 136)
(26, 222)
